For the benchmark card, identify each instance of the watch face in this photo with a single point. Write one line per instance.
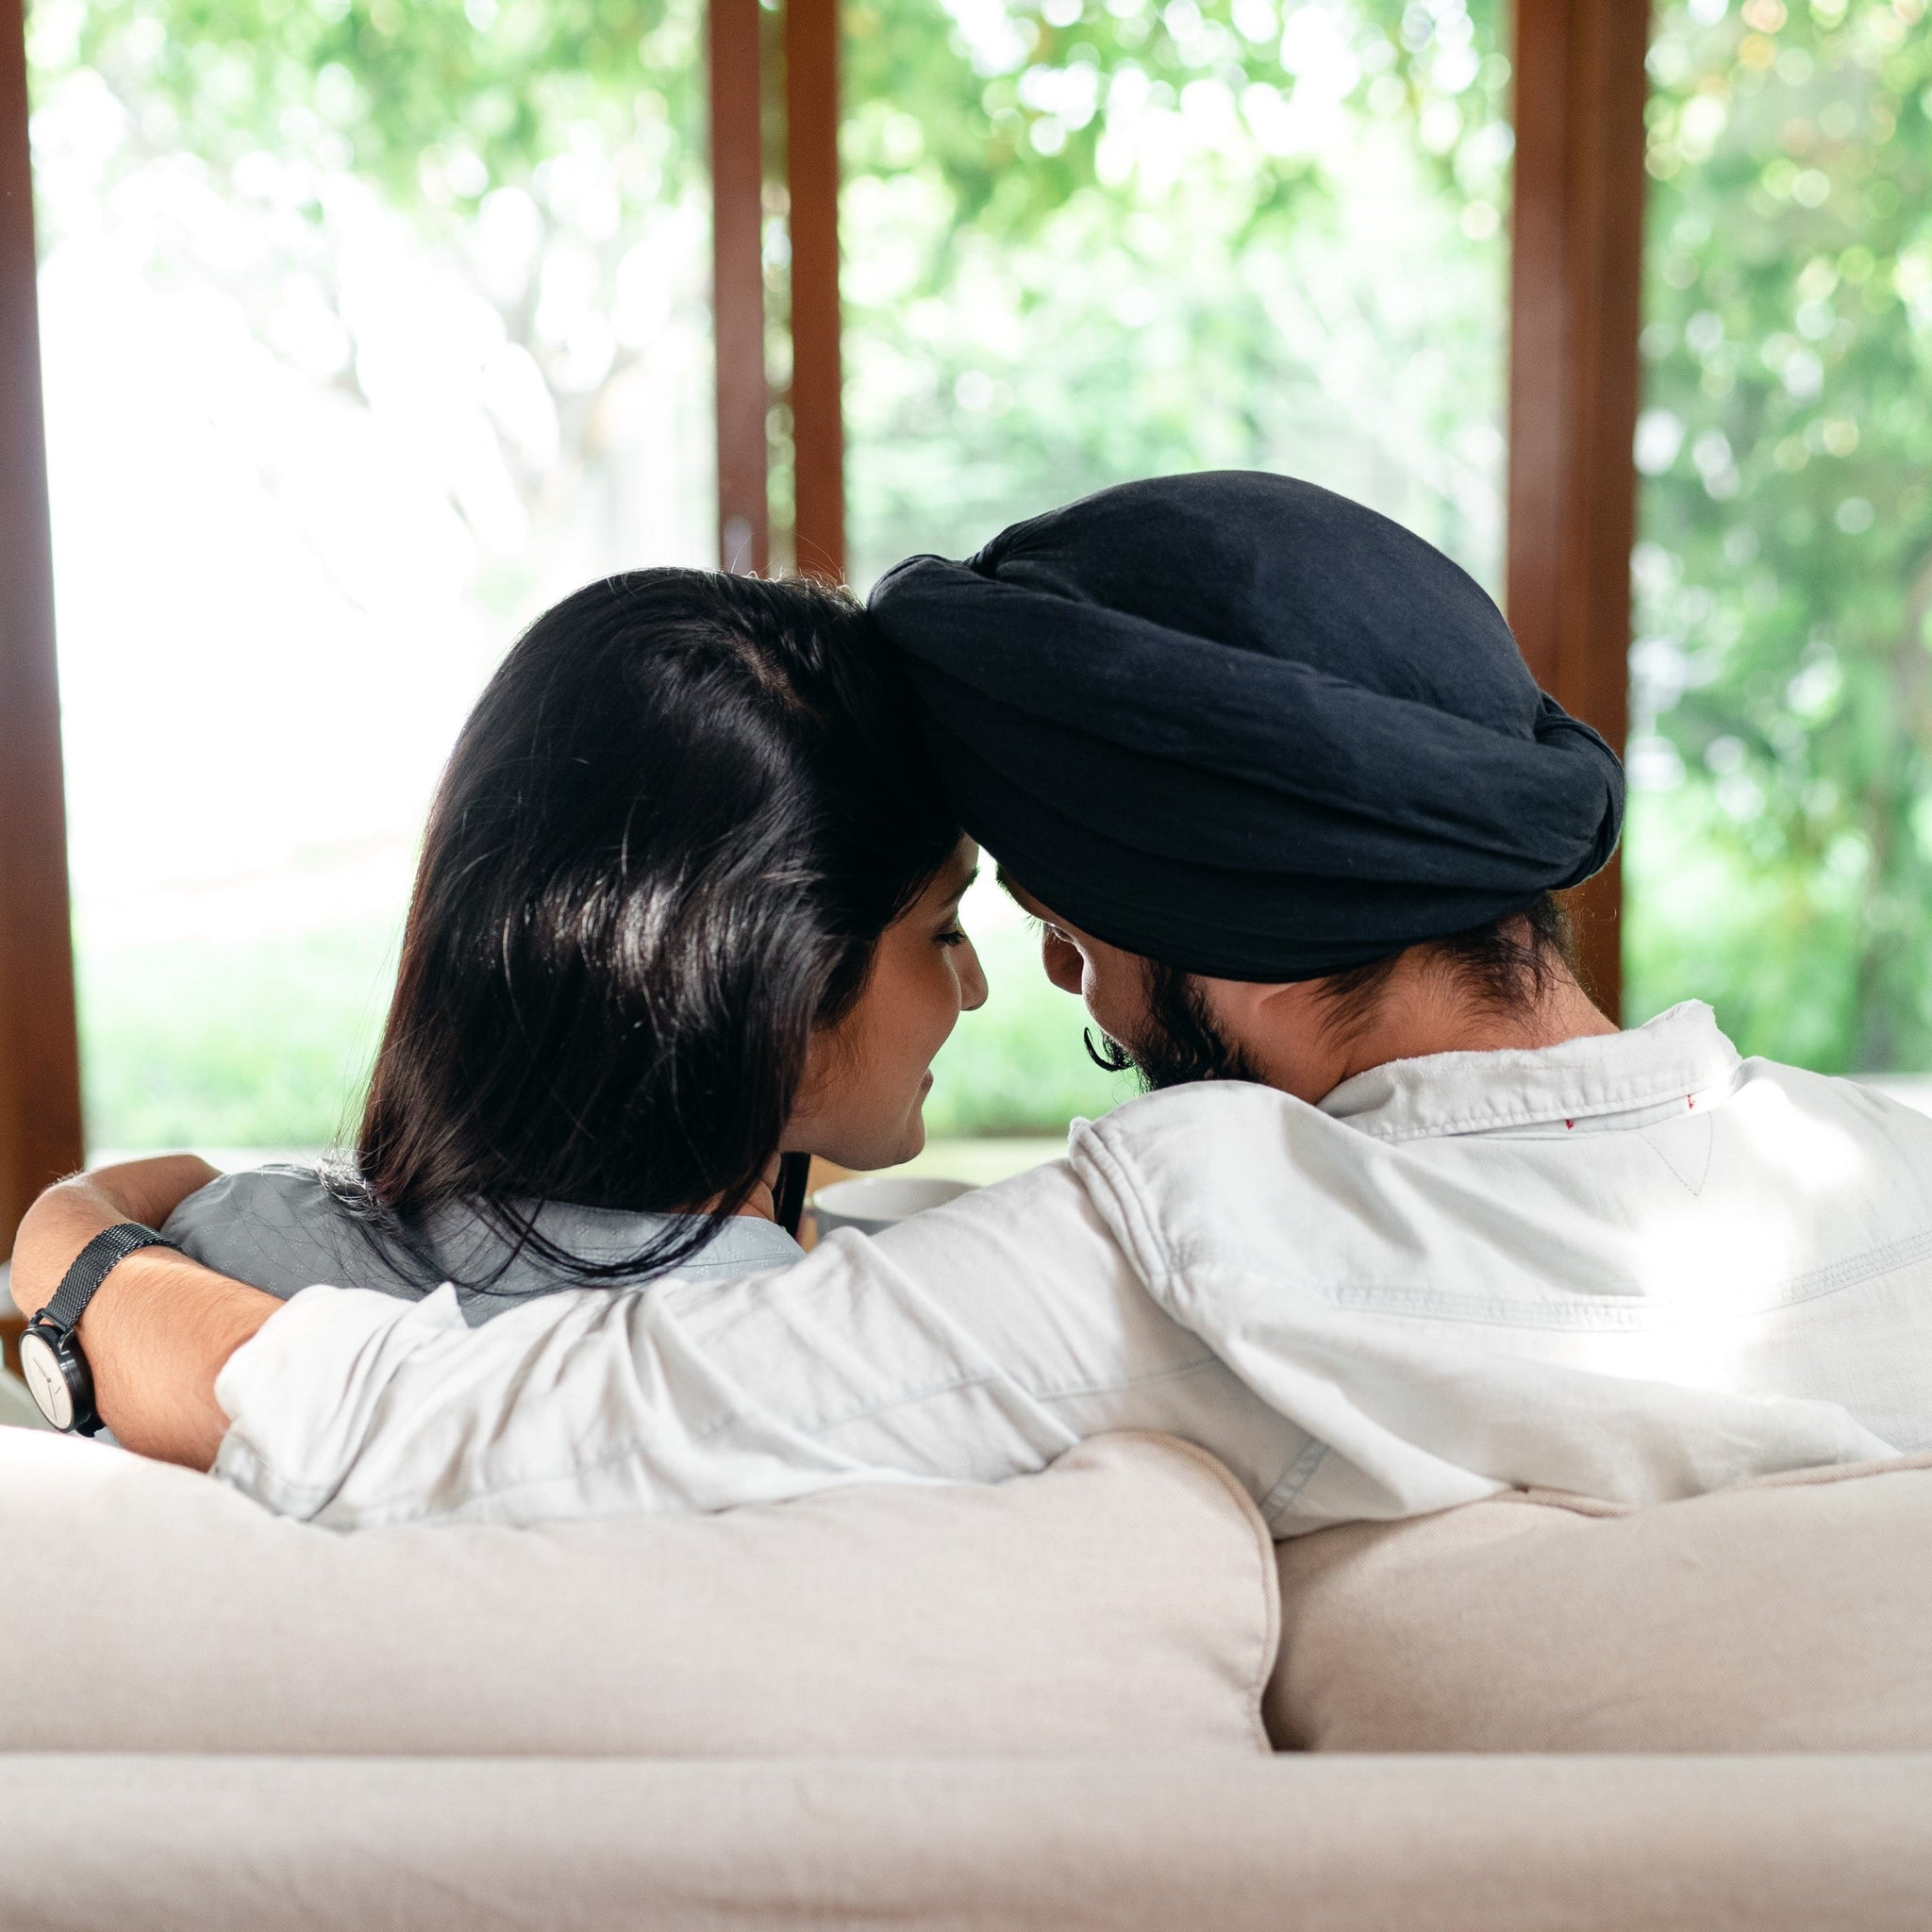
(39, 1367)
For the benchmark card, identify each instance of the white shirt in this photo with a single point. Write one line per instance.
(1633, 1267)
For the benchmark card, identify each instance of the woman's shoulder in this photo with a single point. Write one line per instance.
(277, 1227)
(280, 1194)
(741, 1245)
(282, 1228)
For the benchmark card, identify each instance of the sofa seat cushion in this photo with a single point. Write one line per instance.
(1123, 1600)
(1317, 1844)
(1783, 1615)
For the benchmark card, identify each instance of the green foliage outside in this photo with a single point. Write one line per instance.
(1090, 241)
(258, 1044)
(436, 101)
(1779, 857)
(1084, 241)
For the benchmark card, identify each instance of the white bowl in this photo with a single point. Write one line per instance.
(877, 1201)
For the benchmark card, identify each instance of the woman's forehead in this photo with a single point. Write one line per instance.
(960, 870)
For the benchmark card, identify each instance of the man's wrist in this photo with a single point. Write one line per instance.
(57, 1228)
(156, 1335)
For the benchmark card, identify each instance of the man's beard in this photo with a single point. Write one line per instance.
(1177, 1041)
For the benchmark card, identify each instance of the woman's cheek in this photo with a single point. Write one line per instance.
(941, 1004)
(926, 1005)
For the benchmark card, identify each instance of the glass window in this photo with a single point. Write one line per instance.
(1779, 856)
(369, 329)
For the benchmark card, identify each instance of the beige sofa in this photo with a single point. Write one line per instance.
(1045, 1704)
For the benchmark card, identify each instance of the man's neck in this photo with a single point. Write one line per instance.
(1295, 1039)
(1435, 1016)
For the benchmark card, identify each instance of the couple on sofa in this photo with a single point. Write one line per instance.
(1403, 1219)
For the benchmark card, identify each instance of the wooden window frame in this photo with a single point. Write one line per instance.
(1574, 282)
(737, 285)
(818, 417)
(40, 1061)
(1576, 278)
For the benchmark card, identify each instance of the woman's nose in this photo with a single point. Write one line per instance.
(972, 980)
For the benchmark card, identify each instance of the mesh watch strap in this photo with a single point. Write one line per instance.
(91, 1267)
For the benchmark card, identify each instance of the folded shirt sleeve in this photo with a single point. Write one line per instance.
(351, 1407)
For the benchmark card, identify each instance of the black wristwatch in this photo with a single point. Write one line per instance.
(56, 1371)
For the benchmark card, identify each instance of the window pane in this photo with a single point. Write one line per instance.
(1780, 844)
(369, 330)
(1091, 239)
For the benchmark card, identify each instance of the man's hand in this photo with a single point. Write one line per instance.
(161, 1328)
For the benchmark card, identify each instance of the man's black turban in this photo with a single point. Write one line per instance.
(1247, 727)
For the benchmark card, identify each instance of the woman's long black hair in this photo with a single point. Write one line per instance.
(666, 844)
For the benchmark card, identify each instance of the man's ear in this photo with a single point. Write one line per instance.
(1059, 959)
(1062, 963)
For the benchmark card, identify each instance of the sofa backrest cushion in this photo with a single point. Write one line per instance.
(1783, 1615)
(1123, 1600)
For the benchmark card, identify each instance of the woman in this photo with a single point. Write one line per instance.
(686, 904)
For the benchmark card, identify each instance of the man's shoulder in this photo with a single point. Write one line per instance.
(1891, 1107)
(1181, 1115)
(1212, 1136)
(1217, 1100)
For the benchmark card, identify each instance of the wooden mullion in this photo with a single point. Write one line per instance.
(40, 1062)
(811, 145)
(1577, 240)
(737, 286)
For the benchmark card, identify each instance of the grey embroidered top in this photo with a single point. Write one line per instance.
(280, 1229)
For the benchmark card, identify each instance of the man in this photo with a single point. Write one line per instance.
(1408, 1220)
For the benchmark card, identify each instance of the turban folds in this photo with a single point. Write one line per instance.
(1246, 727)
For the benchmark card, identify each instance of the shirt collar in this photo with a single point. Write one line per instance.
(1676, 1062)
